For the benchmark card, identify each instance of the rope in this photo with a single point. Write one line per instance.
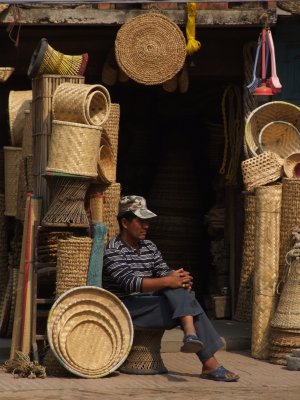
(233, 122)
(193, 45)
(23, 367)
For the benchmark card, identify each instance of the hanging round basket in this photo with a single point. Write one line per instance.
(291, 166)
(150, 49)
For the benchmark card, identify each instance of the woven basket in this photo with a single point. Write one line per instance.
(73, 256)
(290, 218)
(106, 165)
(266, 261)
(5, 73)
(67, 205)
(12, 158)
(97, 206)
(111, 127)
(284, 338)
(90, 331)
(262, 169)
(280, 137)
(243, 310)
(81, 103)
(46, 60)
(27, 135)
(74, 149)
(287, 314)
(291, 6)
(263, 115)
(150, 49)
(291, 166)
(18, 102)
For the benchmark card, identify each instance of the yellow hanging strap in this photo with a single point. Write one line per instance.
(193, 45)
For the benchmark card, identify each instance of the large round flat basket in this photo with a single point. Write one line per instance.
(90, 331)
(150, 49)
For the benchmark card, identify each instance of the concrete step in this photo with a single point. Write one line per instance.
(235, 335)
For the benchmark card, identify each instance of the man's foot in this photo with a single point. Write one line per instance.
(220, 374)
(191, 344)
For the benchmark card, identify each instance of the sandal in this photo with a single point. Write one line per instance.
(191, 344)
(219, 374)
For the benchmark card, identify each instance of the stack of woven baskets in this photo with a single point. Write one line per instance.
(272, 140)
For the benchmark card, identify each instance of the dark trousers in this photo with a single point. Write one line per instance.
(162, 310)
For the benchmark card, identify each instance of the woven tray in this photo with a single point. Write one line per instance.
(266, 261)
(262, 169)
(74, 149)
(81, 103)
(150, 49)
(78, 338)
(290, 6)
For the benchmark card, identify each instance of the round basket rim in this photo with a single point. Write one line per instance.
(292, 157)
(37, 57)
(258, 109)
(288, 124)
(68, 123)
(107, 177)
(154, 19)
(96, 291)
(90, 98)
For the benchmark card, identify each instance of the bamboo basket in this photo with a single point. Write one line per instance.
(266, 261)
(243, 310)
(292, 6)
(285, 338)
(111, 127)
(111, 198)
(106, 165)
(27, 135)
(67, 206)
(81, 103)
(73, 256)
(262, 169)
(287, 315)
(18, 103)
(46, 60)
(291, 166)
(12, 158)
(290, 218)
(5, 73)
(43, 89)
(263, 115)
(96, 206)
(280, 137)
(74, 149)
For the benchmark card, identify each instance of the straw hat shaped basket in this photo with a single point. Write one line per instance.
(263, 115)
(90, 331)
(280, 137)
(18, 103)
(5, 73)
(150, 49)
(81, 103)
(74, 148)
(291, 166)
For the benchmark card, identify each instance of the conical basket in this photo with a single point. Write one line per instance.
(263, 115)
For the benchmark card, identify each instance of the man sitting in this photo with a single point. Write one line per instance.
(155, 295)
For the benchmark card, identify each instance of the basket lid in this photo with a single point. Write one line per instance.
(150, 49)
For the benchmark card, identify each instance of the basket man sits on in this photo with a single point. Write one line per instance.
(155, 295)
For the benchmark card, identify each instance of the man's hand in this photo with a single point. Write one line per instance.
(180, 278)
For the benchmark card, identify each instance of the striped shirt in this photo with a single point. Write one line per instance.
(125, 267)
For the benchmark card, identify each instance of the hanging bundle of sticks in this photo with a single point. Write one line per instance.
(67, 206)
